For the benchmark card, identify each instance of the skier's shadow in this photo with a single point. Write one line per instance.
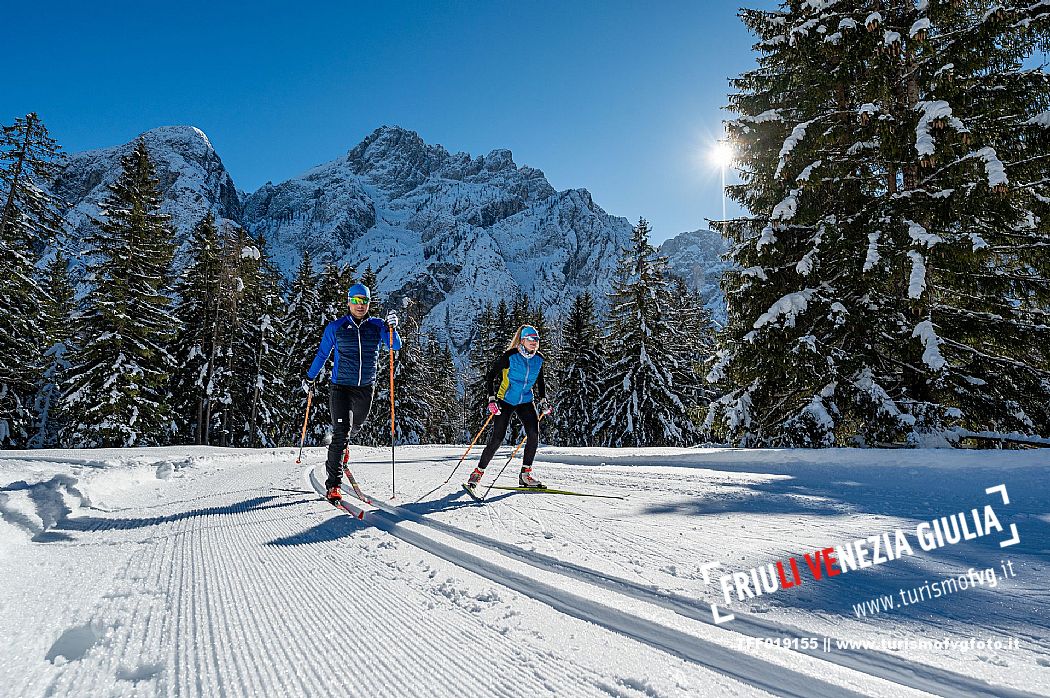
(450, 502)
(339, 527)
(92, 524)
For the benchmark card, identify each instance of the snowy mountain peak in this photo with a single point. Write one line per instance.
(397, 159)
(178, 134)
(193, 180)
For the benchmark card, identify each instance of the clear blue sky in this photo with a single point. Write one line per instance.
(620, 97)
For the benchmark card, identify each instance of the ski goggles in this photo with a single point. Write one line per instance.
(359, 300)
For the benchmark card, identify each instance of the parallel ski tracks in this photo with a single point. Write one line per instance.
(898, 670)
(748, 669)
(240, 600)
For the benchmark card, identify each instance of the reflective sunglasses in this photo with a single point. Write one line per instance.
(531, 338)
(359, 300)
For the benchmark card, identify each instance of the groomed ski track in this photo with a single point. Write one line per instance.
(214, 572)
(757, 672)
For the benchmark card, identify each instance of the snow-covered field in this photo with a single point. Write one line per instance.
(202, 571)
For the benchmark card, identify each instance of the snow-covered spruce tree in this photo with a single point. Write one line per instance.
(640, 403)
(200, 298)
(579, 376)
(29, 160)
(259, 386)
(695, 348)
(892, 278)
(57, 306)
(302, 327)
(415, 390)
(116, 393)
(445, 421)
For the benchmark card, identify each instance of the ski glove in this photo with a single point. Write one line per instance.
(544, 407)
(391, 320)
(308, 386)
(493, 406)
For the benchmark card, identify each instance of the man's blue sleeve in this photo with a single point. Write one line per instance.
(323, 351)
(385, 337)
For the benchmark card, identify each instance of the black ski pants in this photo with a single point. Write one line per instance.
(526, 412)
(350, 405)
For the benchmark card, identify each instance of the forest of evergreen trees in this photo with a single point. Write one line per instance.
(216, 353)
(891, 282)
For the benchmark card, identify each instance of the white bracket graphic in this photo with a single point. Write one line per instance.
(1016, 537)
(704, 568)
(1001, 489)
(718, 618)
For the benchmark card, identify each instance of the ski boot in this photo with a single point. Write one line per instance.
(525, 479)
(334, 495)
(472, 482)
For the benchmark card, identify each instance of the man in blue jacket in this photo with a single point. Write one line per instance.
(356, 339)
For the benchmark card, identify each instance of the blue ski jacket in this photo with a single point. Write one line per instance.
(356, 346)
(514, 377)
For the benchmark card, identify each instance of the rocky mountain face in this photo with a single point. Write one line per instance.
(450, 231)
(696, 256)
(192, 178)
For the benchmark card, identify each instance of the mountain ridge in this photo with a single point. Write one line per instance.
(450, 230)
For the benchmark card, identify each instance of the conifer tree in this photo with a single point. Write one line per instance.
(415, 388)
(259, 386)
(29, 160)
(303, 325)
(445, 421)
(58, 305)
(695, 348)
(641, 404)
(201, 296)
(116, 393)
(892, 281)
(579, 377)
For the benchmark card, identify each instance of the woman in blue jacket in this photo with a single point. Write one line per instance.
(514, 381)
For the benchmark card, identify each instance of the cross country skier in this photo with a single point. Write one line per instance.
(513, 380)
(356, 339)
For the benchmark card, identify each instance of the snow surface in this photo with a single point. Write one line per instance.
(204, 571)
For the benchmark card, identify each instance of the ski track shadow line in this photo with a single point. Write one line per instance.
(91, 524)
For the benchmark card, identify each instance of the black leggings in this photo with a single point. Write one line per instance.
(350, 405)
(526, 412)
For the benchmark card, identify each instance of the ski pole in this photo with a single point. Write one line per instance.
(306, 419)
(393, 472)
(522, 443)
(461, 459)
